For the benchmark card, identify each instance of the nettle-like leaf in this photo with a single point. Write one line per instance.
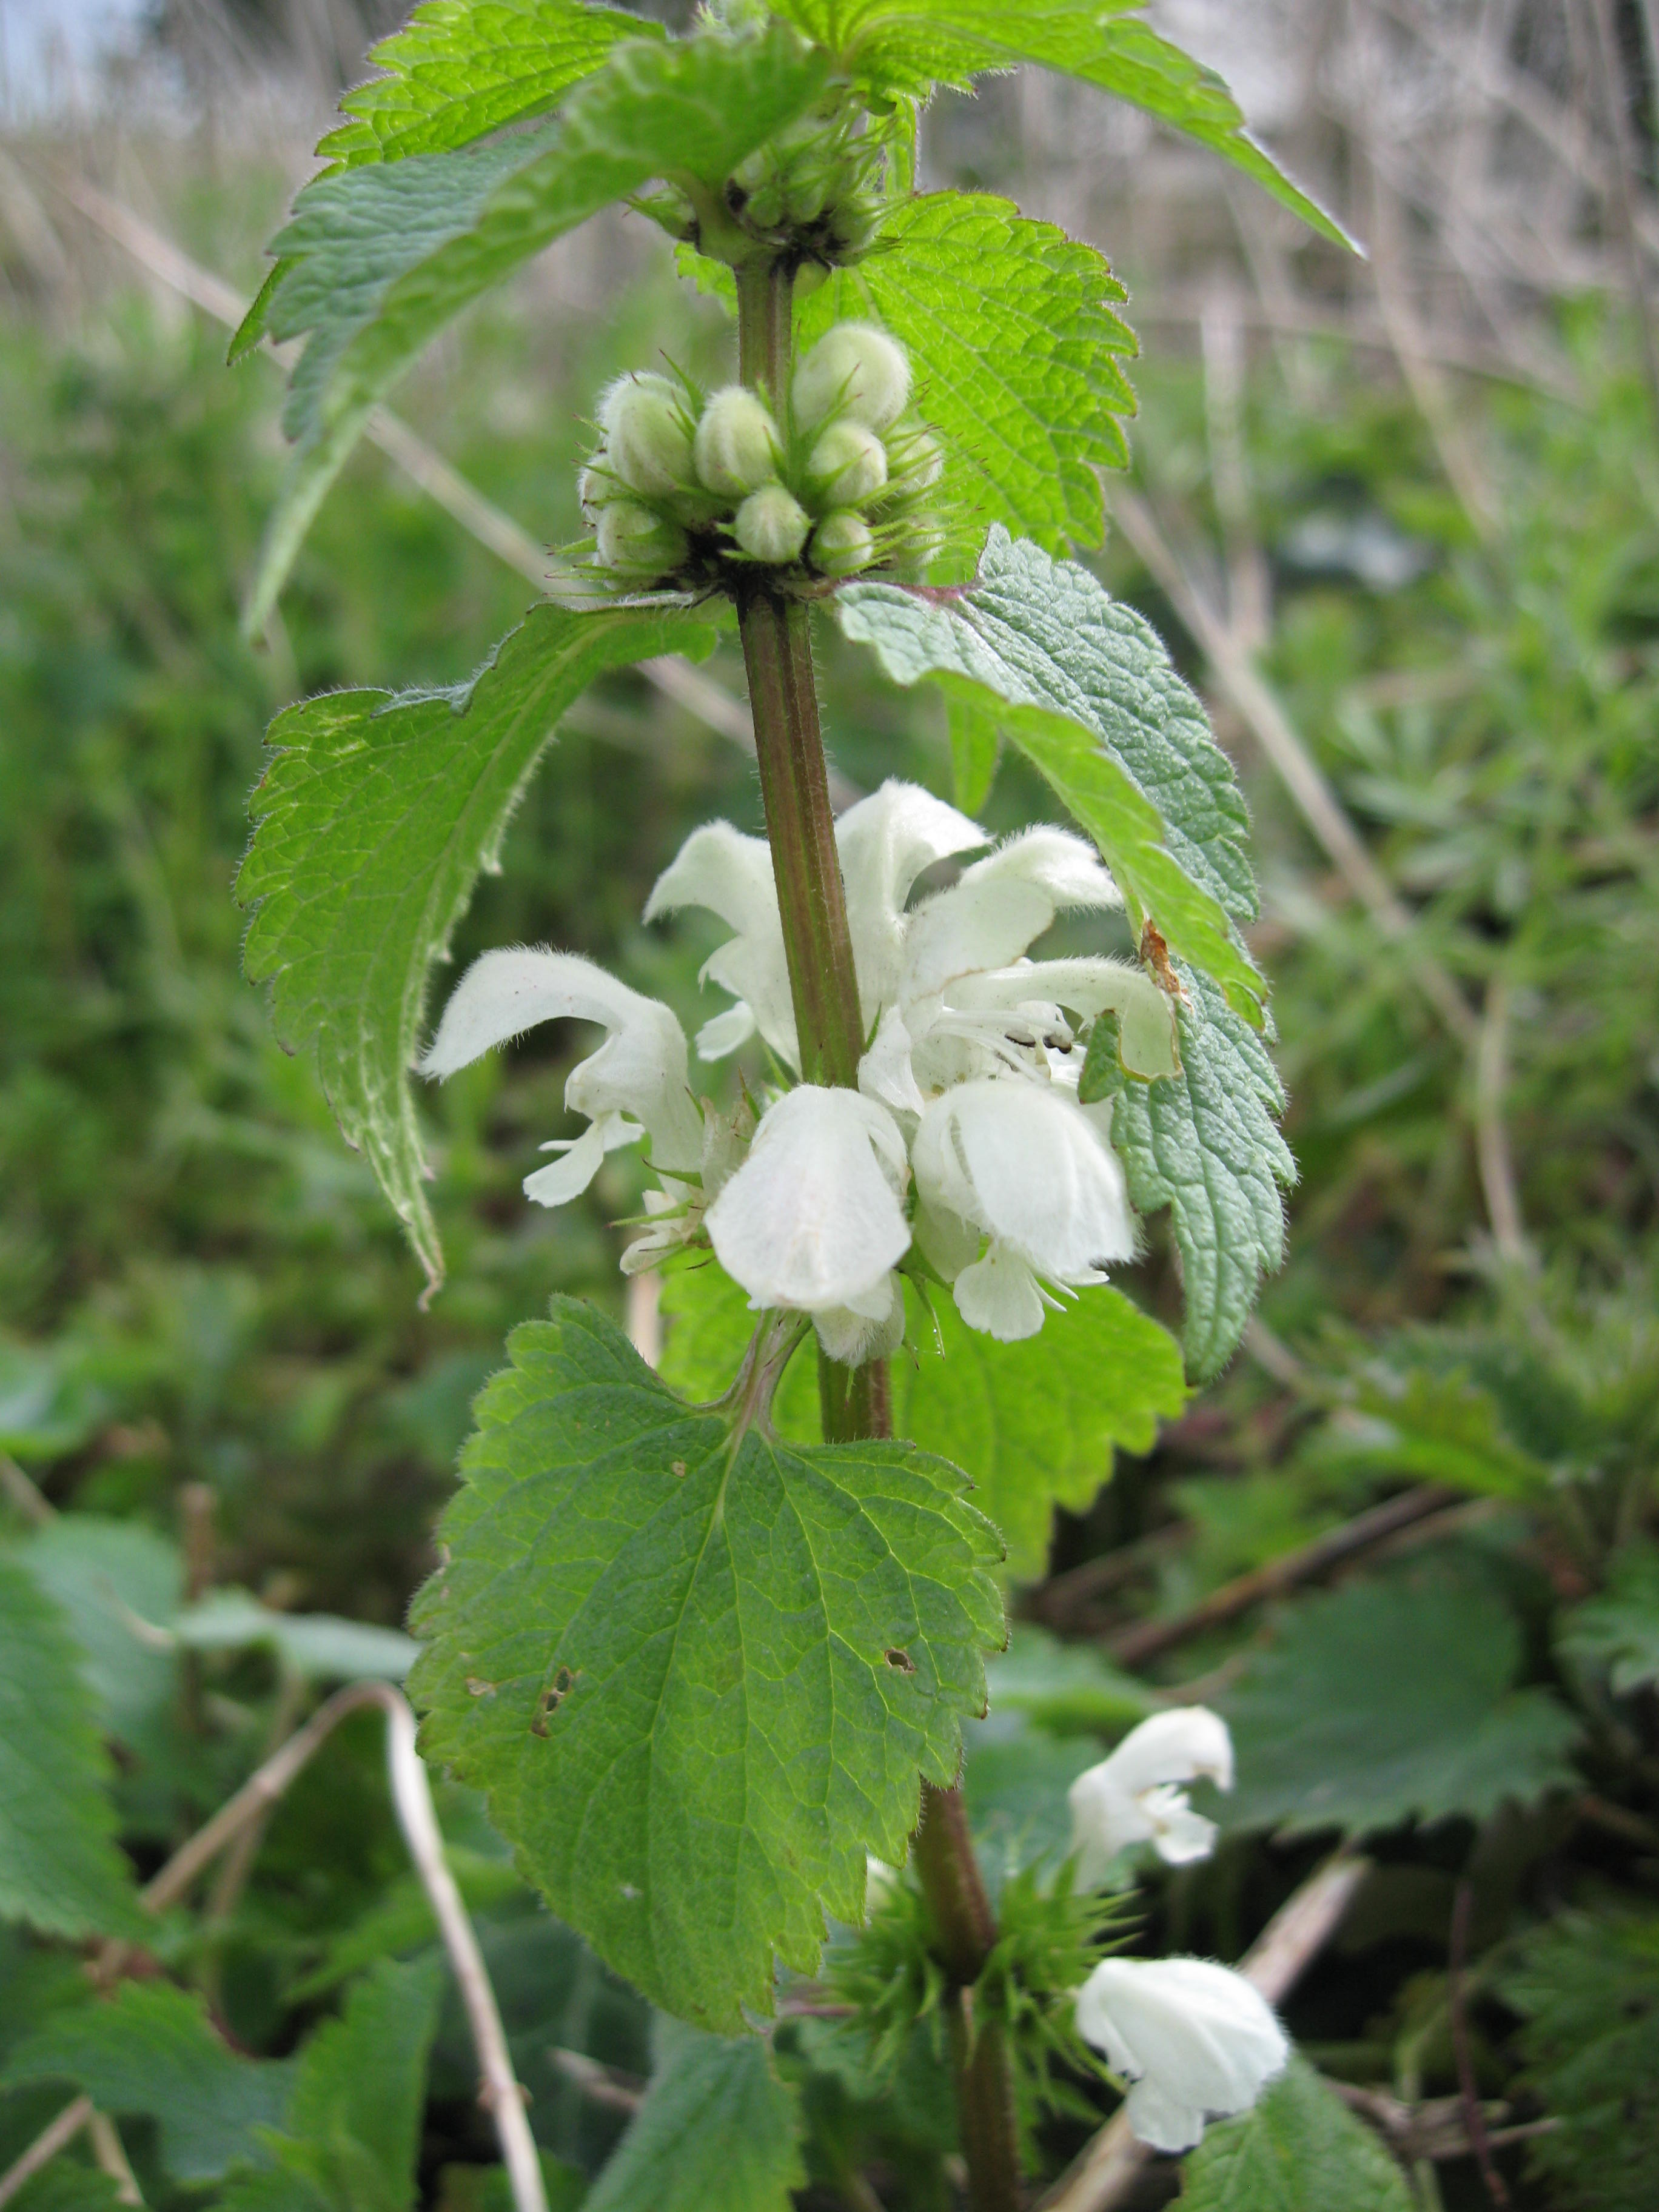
(697, 1671)
(717, 2127)
(460, 68)
(353, 2127)
(1085, 688)
(378, 259)
(1588, 1990)
(1299, 2150)
(1205, 1143)
(1620, 1630)
(1390, 1701)
(60, 1870)
(152, 2050)
(374, 819)
(907, 44)
(1014, 343)
(1033, 1426)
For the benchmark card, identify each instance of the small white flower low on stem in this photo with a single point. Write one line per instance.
(1135, 1797)
(1195, 2041)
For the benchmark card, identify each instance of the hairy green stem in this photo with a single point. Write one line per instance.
(777, 650)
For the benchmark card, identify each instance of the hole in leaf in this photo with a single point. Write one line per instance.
(902, 1662)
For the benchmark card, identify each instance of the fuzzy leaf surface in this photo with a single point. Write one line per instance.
(378, 259)
(1011, 336)
(1587, 1987)
(717, 2127)
(60, 1870)
(1390, 1701)
(1299, 2150)
(373, 820)
(460, 68)
(1205, 1142)
(696, 1673)
(907, 43)
(152, 2050)
(1084, 687)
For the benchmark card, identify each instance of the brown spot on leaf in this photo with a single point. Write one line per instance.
(552, 1697)
(677, 1466)
(479, 1688)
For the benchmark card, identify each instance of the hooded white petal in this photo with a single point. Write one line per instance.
(1147, 1015)
(1195, 2039)
(639, 1070)
(720, 868)
(884, 842)
(1024, 1161)
(989, 917)
(811, 1219)
(1132, 1797)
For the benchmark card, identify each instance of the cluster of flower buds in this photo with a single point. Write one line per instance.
(685, 485)
(812, 186)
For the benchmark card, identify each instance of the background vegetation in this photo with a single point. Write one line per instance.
(215, 1374)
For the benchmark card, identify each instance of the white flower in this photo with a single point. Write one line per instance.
(884, 842)
(633, 1085)
(1025, 1165)
(811, 1220)
(1194, 2040)
(1134, 1797)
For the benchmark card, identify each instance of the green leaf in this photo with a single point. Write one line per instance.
(59, 1867)
(696, 1673)
(112, 1577)
(402, 1919)
(975, 749)
(1068, 1689)
(151, 2050)
(1083, 686)
(1587, 1989)
(456, 72)
(375, 818)
(381, 257)
(320, 1645)
(46, 1409)
(354, 2123)
(1014, 348)
(1390, 1701)
(1035, 1424)
(1439, 1428)
(1299, 2150)
(1619, 1631)
(1205, 1143)
(906, 43)
(716, 2133)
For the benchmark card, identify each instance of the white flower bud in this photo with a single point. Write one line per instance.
(737, 448)
(637, 543)
(1193, 2038)
(772, 526)
(841, 544)
(595, 488)
(854, 370)
(848, 465)
(648, 434)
